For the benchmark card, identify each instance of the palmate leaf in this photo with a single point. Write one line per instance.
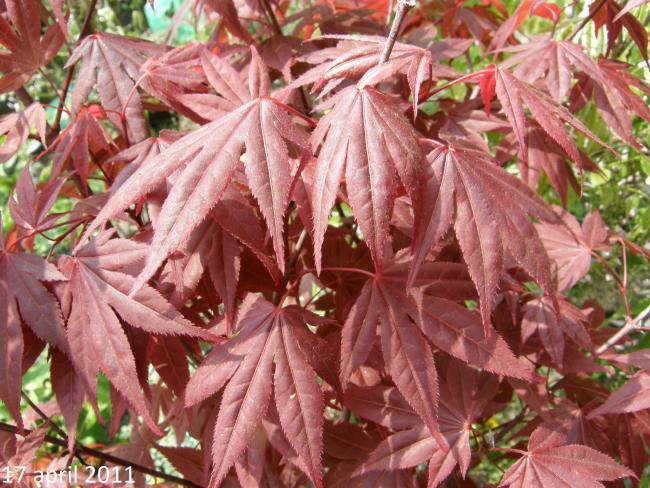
(553, 62)
(358, 56)
(514, 93)
(20, 34)
(550, 462)
(17, 126)
(30, 206)
(111, 64)
(97, 291)
(207, 159)
(633, 396)
(264, 333)
(181, 79)
(74, 148)
(462, 400)
(24, 299)
(552, 325)
(214, 247)
(369, 141)
(571, 245)
(406, 324)
(490, 212)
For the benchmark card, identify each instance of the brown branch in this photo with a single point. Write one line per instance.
(24, 96)
(56, 428)
(278, 30)
(299, 245)
(12, 429)
(288, 275)
(402, 8)
(629, 326)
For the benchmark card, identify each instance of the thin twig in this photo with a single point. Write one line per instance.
(271, 14)
(621, 284)
(278, 30)
(402, 8)
(591, 15)
(629, 326)
(24, 96)
(50, 82)
(300, 243)
(64, 94)
(44, 416)
(12, 429)
(56, 428)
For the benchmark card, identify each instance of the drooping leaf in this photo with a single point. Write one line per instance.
(461, 401)
(24, 299)
(488, 221)
(245, 363)
(405, 322)
(69, 390)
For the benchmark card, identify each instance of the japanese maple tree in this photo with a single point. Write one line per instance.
(327, 243)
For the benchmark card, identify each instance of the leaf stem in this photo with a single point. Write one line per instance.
(349, 270)
(402, 8)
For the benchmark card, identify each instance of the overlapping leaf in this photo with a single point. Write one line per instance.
(20, 34)
(406, 321)
(24, 299)
(100, 278)
(111, 63)
(368, 140)
(208, 158)
(30, 206)
(75, 146)
(514, 93)
(265, 333)
(490, 212)
(571, 245)
(462, 400)
(553, 61)
(17, 126)
(633, 396)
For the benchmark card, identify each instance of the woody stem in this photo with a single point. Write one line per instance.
(402, 8)
(12, 429)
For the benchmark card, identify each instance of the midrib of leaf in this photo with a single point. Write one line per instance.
(282, 325)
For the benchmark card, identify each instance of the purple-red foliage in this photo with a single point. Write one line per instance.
(335, 281)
